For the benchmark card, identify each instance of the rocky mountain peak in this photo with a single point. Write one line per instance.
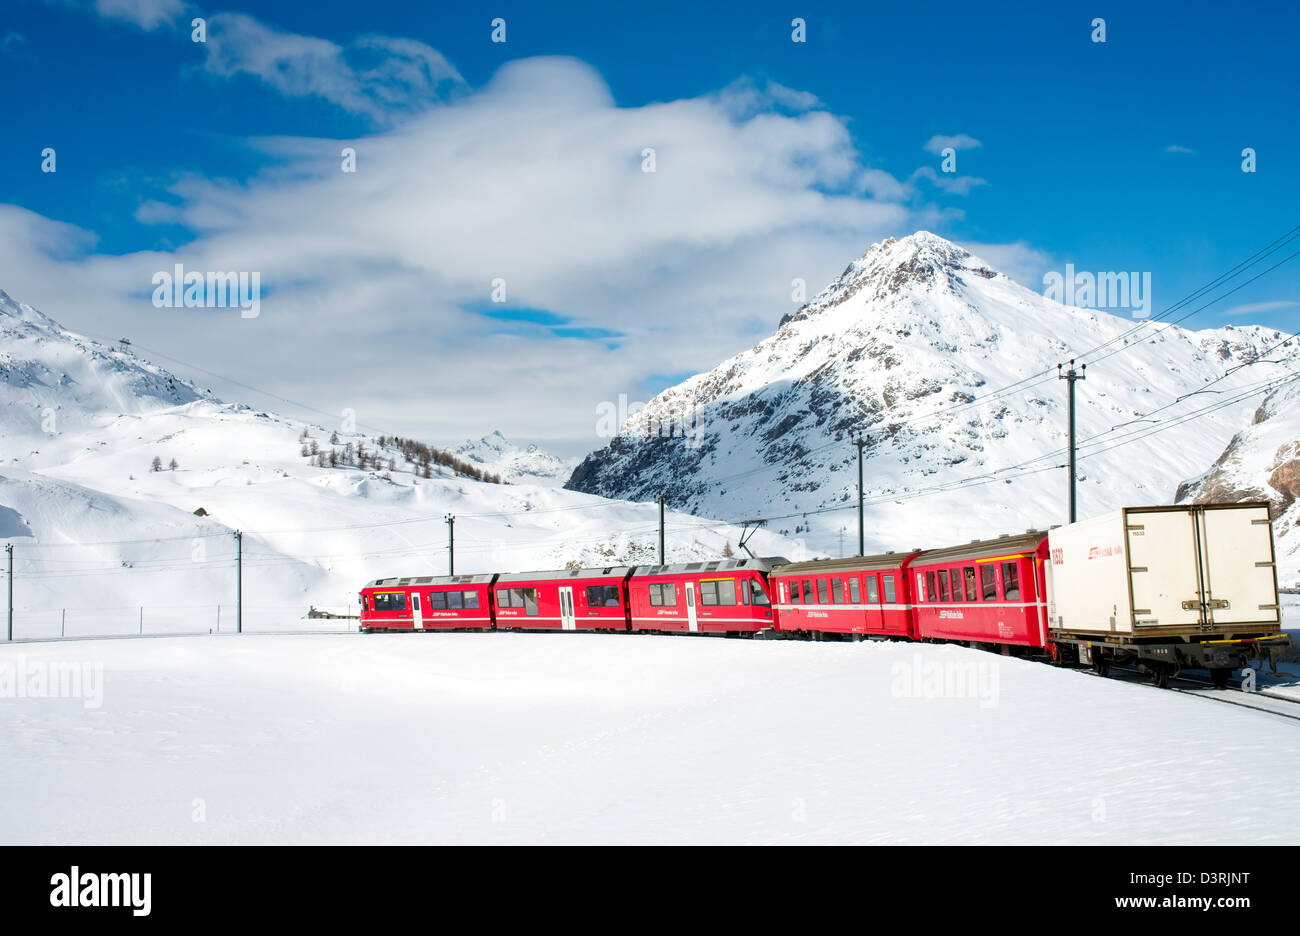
(920, 262)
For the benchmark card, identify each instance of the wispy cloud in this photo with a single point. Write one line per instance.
(13, 43)
(145, 14)
(1180, 149)
(937, 144)
(948, 181)
(373, 76)
(1250, 308)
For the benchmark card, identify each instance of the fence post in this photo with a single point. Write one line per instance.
(63, 626)
(142, 620)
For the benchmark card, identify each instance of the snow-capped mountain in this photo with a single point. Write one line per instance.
(495, 454)
(109, 535)
(908, 348)
(52, 378)
(1262, 462)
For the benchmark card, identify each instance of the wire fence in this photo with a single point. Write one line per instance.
(50, 623)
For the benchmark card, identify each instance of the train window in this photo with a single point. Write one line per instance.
(989, 580)
(471, 599)
(663, 595)
(454, 601)
(890, 595)
(807, 591)
(525, 598)
(437, 601)
(837, 591)
(744, 591)
(602, 596)
(931, 590)
(971, 593)
(943, 584)
(855, 591)
(821, 592)
(1010, 581)
(873, 590)
(760, 596)
(718, 592)
(794, 591)
(390, 601)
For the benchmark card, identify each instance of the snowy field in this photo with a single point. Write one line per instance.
(582, 738)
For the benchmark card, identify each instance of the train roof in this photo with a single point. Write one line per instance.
(715, 565)
(979, 549)
(890, 560)
(607, 572)
(483, 579)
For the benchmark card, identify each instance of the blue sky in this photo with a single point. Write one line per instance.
(1123, 155)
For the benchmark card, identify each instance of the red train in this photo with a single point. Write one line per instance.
(729, 596)
(997, 593)
(989, 591)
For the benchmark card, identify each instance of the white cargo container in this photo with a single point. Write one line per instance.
(1205, 569)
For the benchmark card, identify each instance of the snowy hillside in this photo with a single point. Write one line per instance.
(1262, 462)
(104, 543)
(497, 455)
(907, 348)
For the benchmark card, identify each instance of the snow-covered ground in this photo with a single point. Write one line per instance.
(558, 738)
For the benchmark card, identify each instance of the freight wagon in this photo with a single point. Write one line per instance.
(1167, 588)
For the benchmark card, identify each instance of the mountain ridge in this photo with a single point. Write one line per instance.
(910, 347)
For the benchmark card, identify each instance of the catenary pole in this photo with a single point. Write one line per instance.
(451, 544)
(862, 515)
(1071, 376)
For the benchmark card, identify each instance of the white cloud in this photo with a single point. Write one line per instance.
(937, 144)
(375, 281)
(372, 76)
(948, 181)
(1251, 308)
(1180, 149)
(147, 14)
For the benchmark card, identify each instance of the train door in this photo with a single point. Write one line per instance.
(871, 597)
(568, 620)
(692, 619)
(417, 619)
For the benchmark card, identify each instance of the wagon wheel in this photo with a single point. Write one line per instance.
(1220, 676)
(1159, 675)
(1100, 665)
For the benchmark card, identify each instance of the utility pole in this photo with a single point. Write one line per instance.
(661, 529)
(239, 582)
(862, 516)
(9, 548)
(451, 545)
(1070, 376)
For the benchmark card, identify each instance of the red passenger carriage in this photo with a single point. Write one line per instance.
(860, 595)
(989, 591)
(567, 599)
(448, 602)
(726, 596)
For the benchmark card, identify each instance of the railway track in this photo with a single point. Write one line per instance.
(1261, 700)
